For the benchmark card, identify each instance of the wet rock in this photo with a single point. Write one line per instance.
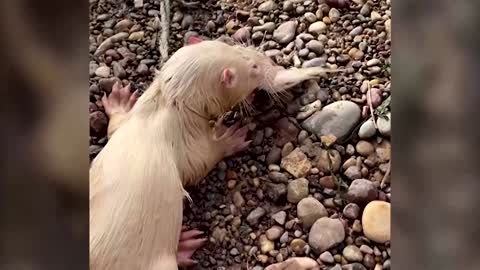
(285, 32)
(338, 118)
(352, 253)
(296, 163)
(297, 190)
(362, 191)
(309, 210)
(367, 129)
(98, 122)
(376, 221)
(325, 234)
(255, 215)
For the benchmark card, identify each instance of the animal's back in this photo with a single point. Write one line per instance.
(134, 182)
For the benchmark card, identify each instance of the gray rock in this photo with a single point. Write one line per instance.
(274, 232)
(367, 129)
(315, 46)
(278, 177)
(317, 28)
(255, 215)
(384, 125)
(297, 190)
(285, 32)
(352, 173)
(274, 155)
(276, 191)
(267, 6)
(242, 35)
(268, 27)
(354, 266)
(352, 253)
(142, 69)
(315, 62)
(334, 14)
(326, 257)
(118, 70)
(309, 16)
(362, 191)
(102, 71)
(288, 6)
(325, 234)
(338, 119)
(356, 31)
(187, 21)
(336, 267)
(280, 217)
(351, 211)
(309, 210)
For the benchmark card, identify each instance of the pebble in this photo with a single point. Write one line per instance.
(297, 190)
(103, 71)
(329, 161)
(286, 132)
(274, 155)
(284, 238)
(315, 46)
(267, 6)
(285, 32)
(315, 62)
(367, 129)
(337, 118)
(365, 10)
(98, 121)
(351, 211)
(317, 28)
(276, 191)
(326, 257)
(352, 173)
(309, 210)
(352, 253)
(274, 232)
(374, 96)
(366, 249)
(309, 109)
(242, 35)
(280, 217)
(354, 266)
(384, 125)
(378, 267)
(310, 17)
(384, 151)
(142, 69)
(296, 163)
(265, 244)
(278, 177)
(268, 27)
(376, 221)
(136, 36)
(325, 234)
(364, 148)
(118, 70)
(334, 14)
(255, 215)
(362, 191)
(356, 31)
(298, 246)
(375, 16)
(238, 199)
(187, 21)
(327, 182)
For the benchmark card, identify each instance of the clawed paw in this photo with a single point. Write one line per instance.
(120, 100)
(187, 245)
(232, 138)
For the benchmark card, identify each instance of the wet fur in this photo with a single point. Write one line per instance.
(163, 144)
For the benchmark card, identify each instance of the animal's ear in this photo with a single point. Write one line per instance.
(229, 77)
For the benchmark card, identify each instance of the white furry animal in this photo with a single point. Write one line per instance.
(164, 143)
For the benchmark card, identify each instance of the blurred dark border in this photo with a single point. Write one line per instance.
(44, 135)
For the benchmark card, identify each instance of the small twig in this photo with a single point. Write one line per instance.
(382, 184)
(165, 31)
(369, 102)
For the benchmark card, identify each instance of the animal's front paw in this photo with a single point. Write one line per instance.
(120, 100)
(232, 139)
(187, 245)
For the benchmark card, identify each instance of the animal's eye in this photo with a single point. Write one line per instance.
(255, 66)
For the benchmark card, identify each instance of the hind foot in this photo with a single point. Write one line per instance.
(187, 245)
(232, 138)
(120, 100)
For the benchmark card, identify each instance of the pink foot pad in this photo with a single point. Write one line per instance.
(187, 245)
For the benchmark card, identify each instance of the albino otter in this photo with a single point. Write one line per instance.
(164, 143)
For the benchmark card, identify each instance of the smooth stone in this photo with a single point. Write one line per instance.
(356, 31)
(309, 16)
(274, 232)
(268, 27)
(334, 14)
(103, 72)
(384, 125)
(325, 234)
(362, 191)
(353, 266)
(242, 35)
(351, 211)
(376, 221)
(364, 148)
(367, 129)
(276, 191)
(352, 253)
(338, 118)
(309, 210)
(285, 32)
(280, 217)
(297, 190)
(255, 215)
(317, 28)
(298, 246)
(314, 62)
(329, 160)
(265, 244)
(352, 173)
(268, 6)
(326, 257)
(315, 46)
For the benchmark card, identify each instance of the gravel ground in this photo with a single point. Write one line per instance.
(315, 181)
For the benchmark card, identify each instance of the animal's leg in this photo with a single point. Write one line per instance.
(232, 138)
(187, 245)
(117, 105)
